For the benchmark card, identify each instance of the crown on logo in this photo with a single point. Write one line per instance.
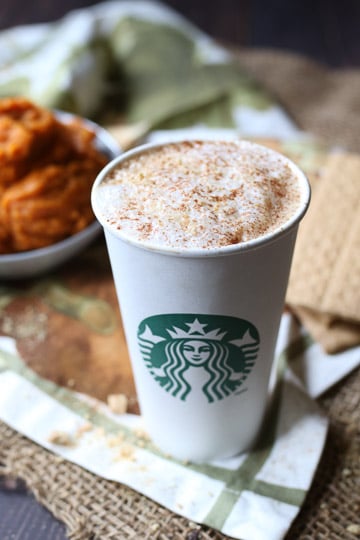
(196, 331)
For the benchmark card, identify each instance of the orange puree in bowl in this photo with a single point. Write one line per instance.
(47, 169)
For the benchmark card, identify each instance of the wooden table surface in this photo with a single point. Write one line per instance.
(325, 30)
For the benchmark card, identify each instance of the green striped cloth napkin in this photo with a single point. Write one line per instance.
(139, 60)
(253, 496)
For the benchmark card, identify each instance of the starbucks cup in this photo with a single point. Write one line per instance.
(201, 327)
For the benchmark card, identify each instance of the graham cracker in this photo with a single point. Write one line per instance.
(333, 333)
(325, 274)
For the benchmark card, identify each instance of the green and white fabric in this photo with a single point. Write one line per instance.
(253, 496)
(142, 58)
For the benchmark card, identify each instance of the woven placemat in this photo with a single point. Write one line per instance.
(322, 101)
(93, 508)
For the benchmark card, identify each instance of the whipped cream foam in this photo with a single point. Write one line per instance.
(199, 194)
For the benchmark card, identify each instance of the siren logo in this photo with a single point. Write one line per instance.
(224, 348)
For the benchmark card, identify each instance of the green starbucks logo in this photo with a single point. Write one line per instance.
(225, 348)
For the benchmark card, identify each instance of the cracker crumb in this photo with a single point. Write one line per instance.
(99, 432)
(126, 452)
(61, 438)
(84, 428)
(140, 433)
(194, 525)
(113, 441)
(154, 527)
(354, 528)
(117, 403)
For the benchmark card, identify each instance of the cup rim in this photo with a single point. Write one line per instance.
(285, 228)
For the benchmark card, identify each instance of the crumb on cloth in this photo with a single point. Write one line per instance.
(61, 438)
(117, 403)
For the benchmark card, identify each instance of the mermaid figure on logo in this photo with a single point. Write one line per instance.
(170, 355)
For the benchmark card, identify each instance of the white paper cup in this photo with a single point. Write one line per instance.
(201, 327)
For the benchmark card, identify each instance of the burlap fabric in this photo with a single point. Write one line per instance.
(326, 103)
(322, 101)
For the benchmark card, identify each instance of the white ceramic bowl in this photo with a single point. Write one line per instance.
(31, 263)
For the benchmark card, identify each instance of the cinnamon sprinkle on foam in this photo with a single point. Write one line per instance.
(200, 194)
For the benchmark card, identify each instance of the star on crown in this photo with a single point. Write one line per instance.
(196, 331)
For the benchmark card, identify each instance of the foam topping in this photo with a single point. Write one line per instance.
(199, 194)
